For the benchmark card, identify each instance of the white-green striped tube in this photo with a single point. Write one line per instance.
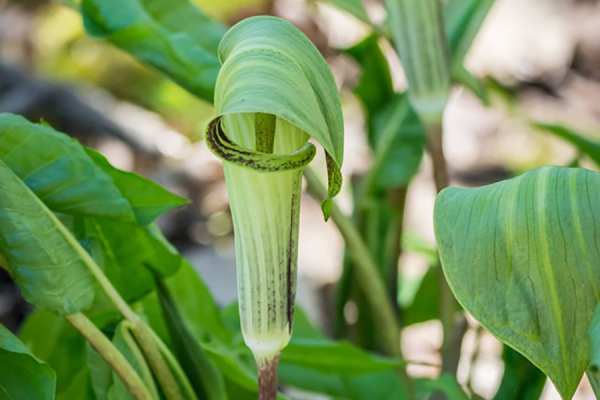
(418, 33)
(265, 205)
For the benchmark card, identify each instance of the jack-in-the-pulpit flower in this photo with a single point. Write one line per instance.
(418, 32)
(274, 92)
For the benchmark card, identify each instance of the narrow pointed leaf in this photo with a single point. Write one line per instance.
(463, 20)
(148, 200)
(173, 36)
(204, 377)
(521, 256)
(587, 145)
(22, 375)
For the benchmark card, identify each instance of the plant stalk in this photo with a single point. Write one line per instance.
(453, 329)
(267, 378)
(594, 379)
(139, 327)
(111, 355)
(168, 383)
(368, 277)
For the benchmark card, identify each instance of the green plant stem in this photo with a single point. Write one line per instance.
(367, 276)
(111, 355)
(393, 242)
(174, 364)
(134, 348)
(453, 329)
(168, 383)
(267, 379)
(139, 327)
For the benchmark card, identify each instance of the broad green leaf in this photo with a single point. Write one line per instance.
(521, 256)
(173, 36)
(22, 375)
(267, 55)
(147, 199)
(586, 145)
(128, 254)
(58, 170)
(204, 377)
(44, 258)
(53, 340)
(521, 380)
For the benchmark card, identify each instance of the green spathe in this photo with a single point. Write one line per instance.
(274, 91)
(522, 256)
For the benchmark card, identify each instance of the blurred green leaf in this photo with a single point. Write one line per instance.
(445, 384)
(204, 377)
(521, 380)
(22, 375)
(586, 145)
(394, 130)
(462, 21)
(327, 355)
(399, 141)
(51, 339)
(521, 256)
(173, 36)
(424, 303)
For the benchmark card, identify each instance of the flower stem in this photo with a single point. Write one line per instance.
(367, 277)
(454, 329)
(111, 355)
(267, 378)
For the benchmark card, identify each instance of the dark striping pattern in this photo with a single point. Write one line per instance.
(221, 145)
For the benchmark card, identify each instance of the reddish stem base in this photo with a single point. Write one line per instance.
(267, 379)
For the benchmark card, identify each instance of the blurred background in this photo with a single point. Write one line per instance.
(540, 58)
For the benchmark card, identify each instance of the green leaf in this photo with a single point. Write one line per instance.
(399, 141)
(375, 87)
(586, 145)
(53, 340)
(58, 170)
(128, 254)
(462, 20)
(173, 36)
(44, 259)
(204, 377)
(327, 355)
(22, 375)
(521, 380)
(269, 55)
(521, 256)
(147, 199)
(424, 303)
(445, 383)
